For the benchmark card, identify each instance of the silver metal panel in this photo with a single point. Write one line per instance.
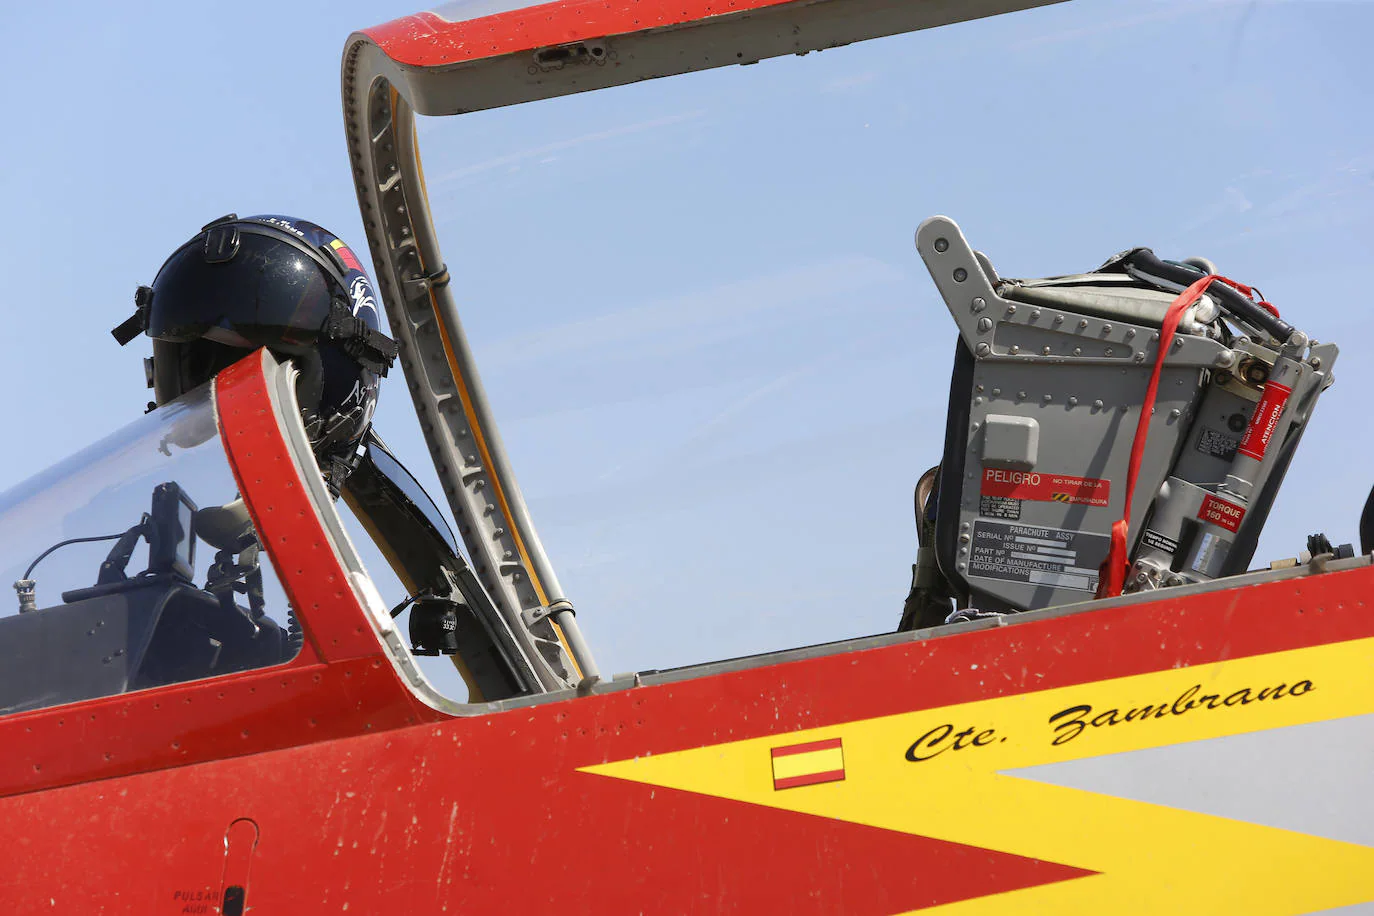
(1313, 778)
(1081, 378)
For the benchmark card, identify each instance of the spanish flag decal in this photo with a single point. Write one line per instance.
(808, 764)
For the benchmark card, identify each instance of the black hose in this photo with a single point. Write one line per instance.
(1242, 307)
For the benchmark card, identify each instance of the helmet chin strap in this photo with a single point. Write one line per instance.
(329, 435)
(309, 390)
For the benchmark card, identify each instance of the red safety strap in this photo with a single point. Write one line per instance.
(1112, 575)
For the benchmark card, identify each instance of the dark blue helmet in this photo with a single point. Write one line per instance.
(275, 282)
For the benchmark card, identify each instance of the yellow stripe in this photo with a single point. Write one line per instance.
(831, 758)
(1150, 858)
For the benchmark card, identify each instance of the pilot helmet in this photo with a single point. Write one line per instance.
(276, 282)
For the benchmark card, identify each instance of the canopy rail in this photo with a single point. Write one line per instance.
(468, 454)
(429, 65)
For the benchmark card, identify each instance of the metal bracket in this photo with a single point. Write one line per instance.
(533, 615)
(422, 286)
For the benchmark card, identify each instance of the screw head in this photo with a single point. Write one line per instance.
(979, 304)
(983, 350)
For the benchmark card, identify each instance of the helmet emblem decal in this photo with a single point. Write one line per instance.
(346, 255)
(360, 291)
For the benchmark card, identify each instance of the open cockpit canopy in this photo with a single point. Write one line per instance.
(466, 57)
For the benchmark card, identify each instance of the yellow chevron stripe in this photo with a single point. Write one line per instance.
(937, 773)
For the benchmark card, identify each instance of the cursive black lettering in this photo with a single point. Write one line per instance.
(1074, 724)
(943, 738)
(928, 741)
(1069, 723)
(959, 744)
(1241, 698)
(1186, 700)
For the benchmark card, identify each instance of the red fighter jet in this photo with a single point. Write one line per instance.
(1092, 704)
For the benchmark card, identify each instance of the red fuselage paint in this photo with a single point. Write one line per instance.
(326, 782)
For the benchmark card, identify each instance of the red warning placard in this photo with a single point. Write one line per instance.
(1264, 421)
(1220, 512)
(1038, 487)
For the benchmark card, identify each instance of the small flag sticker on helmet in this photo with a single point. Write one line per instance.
(346, 255)
(808, 764)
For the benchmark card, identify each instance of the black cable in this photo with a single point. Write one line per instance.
(1146, 262)
(103, 537)
(422, 593)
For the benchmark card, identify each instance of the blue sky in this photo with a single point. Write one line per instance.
(718, 362)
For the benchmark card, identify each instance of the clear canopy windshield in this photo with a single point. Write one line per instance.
(717, 360)
(135, 564)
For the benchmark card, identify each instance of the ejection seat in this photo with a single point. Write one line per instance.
(1044, 438)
